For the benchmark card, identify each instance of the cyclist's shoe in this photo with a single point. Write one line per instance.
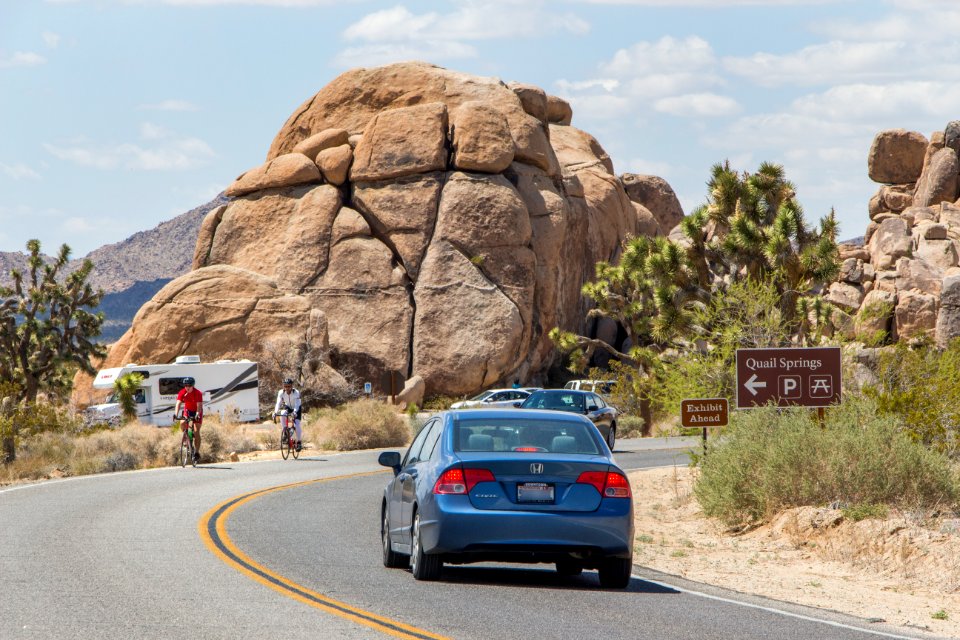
(196, 457)
(299, 446)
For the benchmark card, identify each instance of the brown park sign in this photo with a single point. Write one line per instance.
(704, 412)
(800, 377)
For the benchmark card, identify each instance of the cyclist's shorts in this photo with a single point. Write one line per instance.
(196, 416)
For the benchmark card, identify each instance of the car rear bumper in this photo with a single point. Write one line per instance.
(459, 529)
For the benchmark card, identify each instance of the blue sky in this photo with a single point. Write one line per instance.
(120, 114)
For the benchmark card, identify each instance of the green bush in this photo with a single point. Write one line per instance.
(919, 385)
(629, 426)
(438, 403)
(770, 460)
(365, 424)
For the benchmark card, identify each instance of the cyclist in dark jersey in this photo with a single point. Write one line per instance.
(191, 399)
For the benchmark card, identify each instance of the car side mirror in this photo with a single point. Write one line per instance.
(390, 459)
(518, 404)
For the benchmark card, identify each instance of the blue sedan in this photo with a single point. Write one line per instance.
(508, 485)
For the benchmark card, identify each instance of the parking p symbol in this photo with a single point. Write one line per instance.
(789, 386)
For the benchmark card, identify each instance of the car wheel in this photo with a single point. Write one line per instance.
(569, 567)
(391, 559)
(615, 572)
(612, 436)
(424, 566)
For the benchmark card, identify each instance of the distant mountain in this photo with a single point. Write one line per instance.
(119, 308)
(132, 271)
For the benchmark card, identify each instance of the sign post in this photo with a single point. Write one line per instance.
(798, 377)
(392, 382)
(703, 413)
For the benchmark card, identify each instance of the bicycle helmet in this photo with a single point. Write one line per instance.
(287, 381)
(188, 382)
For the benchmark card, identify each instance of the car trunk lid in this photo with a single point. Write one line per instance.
(535, 482)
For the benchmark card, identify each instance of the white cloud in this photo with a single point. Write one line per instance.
(698, 105)
(666, 55)
(822, 64)
(377, 54)
(169, 105)
(51, 39)
(166, 151)
(150, 131)
(19, 171)
(21, 59)
(76, 224)
(713, 4)
(472, 20)
(607, 84)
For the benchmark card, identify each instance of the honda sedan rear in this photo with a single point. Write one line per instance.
(511, 486)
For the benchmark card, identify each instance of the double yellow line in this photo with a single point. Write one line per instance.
(213, 532)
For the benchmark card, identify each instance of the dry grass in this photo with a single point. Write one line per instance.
(133, 446)
(361, 424)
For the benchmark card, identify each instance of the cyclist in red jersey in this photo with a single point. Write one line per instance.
(192, 400)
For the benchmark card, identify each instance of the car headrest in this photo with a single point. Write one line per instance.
(480, 442)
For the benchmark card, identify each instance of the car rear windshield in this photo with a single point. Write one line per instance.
(556, 400)
(524, 434)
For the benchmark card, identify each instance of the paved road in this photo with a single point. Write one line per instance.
(173, 553)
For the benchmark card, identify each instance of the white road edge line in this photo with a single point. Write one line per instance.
(775, 610)
(758, 606)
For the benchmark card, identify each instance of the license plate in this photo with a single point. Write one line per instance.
(534, 492)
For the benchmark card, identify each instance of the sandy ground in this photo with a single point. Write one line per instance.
(902, 570)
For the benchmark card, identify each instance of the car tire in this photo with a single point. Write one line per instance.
(615, 572)
(569, 568)
(612, 436)
(391, 559)
(424, 566)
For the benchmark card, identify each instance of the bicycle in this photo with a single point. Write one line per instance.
(186, 442)
(288, 434)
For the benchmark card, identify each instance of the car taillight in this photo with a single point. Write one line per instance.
(458, 481)
(617, 486)
(610, 484)
(527, 449)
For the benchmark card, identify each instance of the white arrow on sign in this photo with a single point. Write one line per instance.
(752, 385)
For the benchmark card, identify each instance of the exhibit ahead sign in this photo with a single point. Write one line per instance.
(800, 377)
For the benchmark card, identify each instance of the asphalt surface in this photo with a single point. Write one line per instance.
(147, 555)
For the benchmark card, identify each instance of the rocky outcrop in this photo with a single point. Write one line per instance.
(911, 287)
(657, 196)
(440, 224)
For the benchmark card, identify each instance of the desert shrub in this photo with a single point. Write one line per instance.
(770, 460)
(364, 424)
(438, 403)
(629, 426)
(918, 385)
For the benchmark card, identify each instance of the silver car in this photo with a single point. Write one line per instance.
(493, 398)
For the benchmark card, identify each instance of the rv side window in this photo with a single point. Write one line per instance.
(143, 374)
(139, 396)
(170, 386)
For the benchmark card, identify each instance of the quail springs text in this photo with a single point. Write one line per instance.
(783, 363)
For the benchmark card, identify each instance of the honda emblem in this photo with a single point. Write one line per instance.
(536, 467)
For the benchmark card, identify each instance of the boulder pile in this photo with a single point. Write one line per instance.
(408, 218)
(905, 281)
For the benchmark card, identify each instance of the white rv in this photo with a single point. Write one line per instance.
(229, 389)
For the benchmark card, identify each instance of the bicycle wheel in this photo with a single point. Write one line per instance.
(185, 450)
(285, 443)
(293, 447)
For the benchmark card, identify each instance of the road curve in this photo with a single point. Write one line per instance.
(148, 555)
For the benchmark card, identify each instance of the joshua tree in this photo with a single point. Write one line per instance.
(46, 329)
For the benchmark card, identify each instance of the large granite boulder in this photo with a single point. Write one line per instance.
(412, 219)
(896, 156)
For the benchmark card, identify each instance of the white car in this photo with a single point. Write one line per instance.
(600, 386)
(493, 398)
